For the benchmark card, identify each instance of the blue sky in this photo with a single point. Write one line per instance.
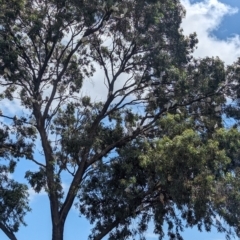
(217, 25)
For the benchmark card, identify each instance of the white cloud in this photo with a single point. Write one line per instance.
(11, 108)
(204, 17)
(33, 194)
(95, 87)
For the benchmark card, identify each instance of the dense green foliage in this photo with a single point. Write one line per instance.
(182, 179)
(13, 195)
(154, 146)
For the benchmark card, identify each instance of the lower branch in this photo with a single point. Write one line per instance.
(9, 233)
(105, 231)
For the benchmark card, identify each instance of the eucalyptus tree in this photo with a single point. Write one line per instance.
(50, 49)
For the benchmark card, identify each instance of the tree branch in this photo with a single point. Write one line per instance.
(107, 230)
(9, 233)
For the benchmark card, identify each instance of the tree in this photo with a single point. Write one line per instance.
(13, 195)
(48, 49)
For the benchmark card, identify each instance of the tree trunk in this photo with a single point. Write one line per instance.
(57, 231)
(57, 224)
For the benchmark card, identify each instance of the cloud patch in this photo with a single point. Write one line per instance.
(33, 194)
(204, 17)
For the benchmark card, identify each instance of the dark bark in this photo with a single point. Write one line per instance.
(57, 231)
(72, 193)
(57, 225)
(9, 233)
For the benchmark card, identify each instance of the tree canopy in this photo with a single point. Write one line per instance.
(153, 146)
